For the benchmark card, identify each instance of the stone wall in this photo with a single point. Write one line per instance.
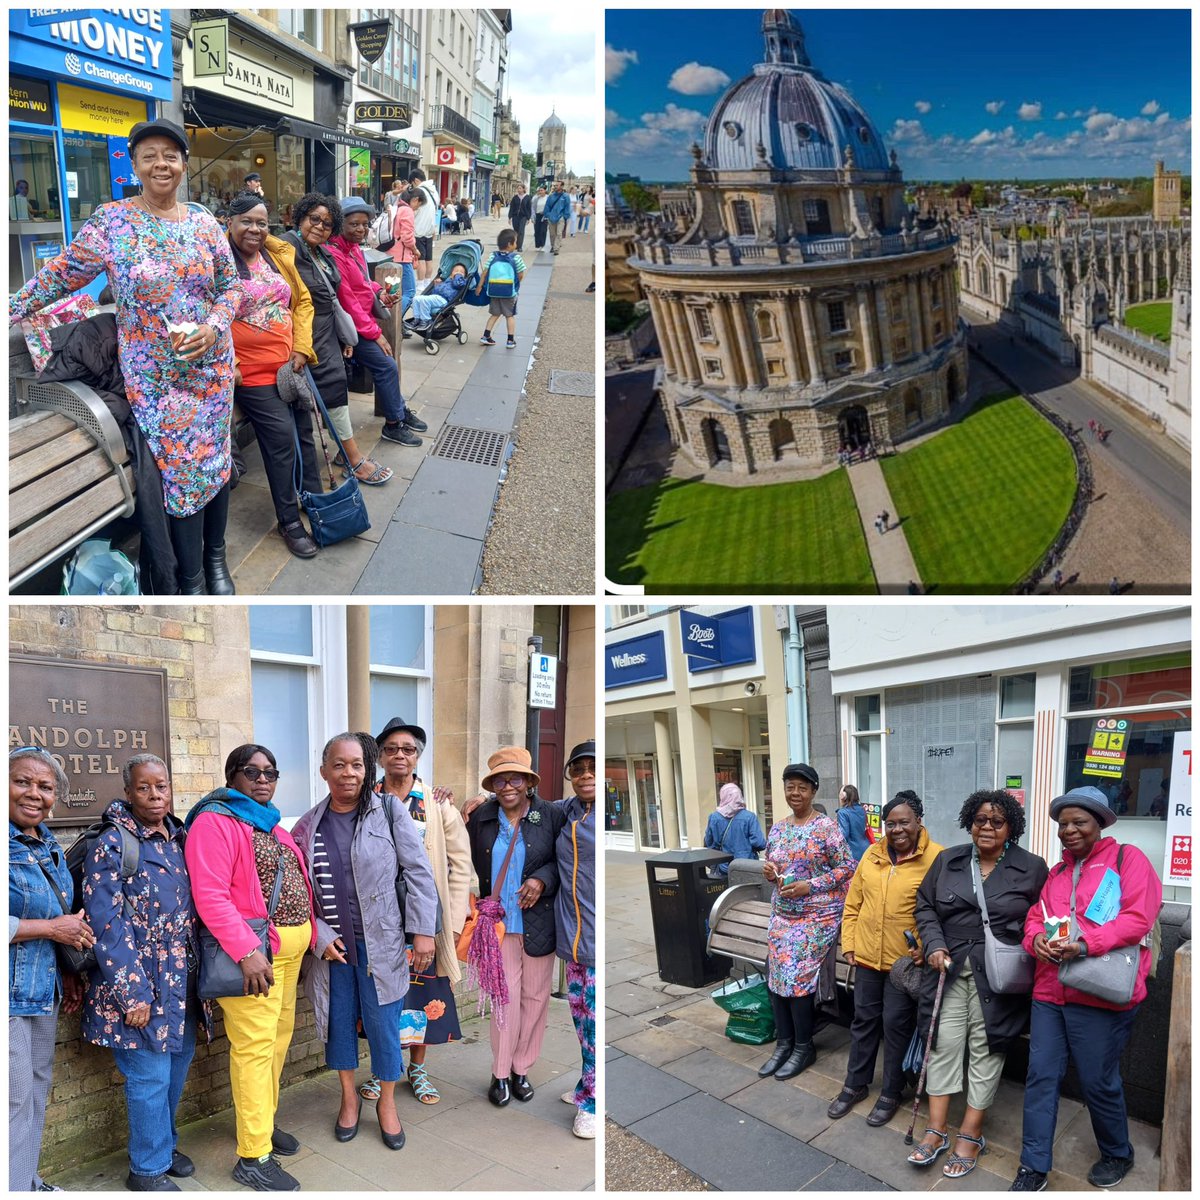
(1136, 370)
(623, 350)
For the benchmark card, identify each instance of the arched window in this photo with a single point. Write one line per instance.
(715, 442)
(766, 324)
(1002, 289)
(984, 289)
(782, 437)
(966, 277)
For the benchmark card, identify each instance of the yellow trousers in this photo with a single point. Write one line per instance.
(259, 1029)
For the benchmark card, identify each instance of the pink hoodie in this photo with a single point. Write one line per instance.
(404, 233)
(355, 292)
(1141, 899)
(219, 853)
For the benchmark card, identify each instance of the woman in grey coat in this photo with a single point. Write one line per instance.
(352, 842)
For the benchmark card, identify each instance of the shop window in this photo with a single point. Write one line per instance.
(1014, 734)
(837, 316)
(867, 715)
(36, 231)
(1123, 683)
(618, 809)
(1016, 695)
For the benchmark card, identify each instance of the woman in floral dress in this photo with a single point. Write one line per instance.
(166, 265)
(810, 865)
(141, 998)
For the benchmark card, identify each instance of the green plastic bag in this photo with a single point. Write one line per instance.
(748, 1003)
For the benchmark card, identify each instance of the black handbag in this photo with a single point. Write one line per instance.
(341, 512)
(401, 882)
(71, 960)
(220, 976)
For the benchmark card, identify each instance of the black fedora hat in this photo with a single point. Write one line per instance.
(396, 723)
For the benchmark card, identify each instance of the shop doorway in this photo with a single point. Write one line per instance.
(35, 219)
(760, 770)
(618, 806)
(649, 813)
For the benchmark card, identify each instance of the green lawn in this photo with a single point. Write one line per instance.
(982, 501)
(1153, 318)
(702, 537)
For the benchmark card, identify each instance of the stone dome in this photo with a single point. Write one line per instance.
(800, 119)
(553, 121)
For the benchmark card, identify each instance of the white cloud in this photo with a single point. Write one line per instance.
(983, 138)
(693, 79)
(923, 106)
(994, 106)
(1061, 115)
(1030, 111)
(1162, 118)
(674, 119)
(907, 131)
(1149, 108)
(612, 118)
(1098, 121)
(615, 62)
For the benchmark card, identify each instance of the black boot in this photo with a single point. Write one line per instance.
(782, 1051)
(802, 1057)
(192, 585)
(216, 572)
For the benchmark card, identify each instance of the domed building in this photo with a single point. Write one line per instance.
(803, 310)
(552, 148)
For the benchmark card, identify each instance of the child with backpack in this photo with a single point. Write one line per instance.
(502, 277)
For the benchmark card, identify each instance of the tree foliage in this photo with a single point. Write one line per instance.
(638, 198)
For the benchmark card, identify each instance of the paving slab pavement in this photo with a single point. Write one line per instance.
(891, 558)
(463, 1143)
(676, 1082)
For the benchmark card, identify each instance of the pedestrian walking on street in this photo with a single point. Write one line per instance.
(1069, 1024)
(501, 278)
(244, 866)
(1058, 579)
(879, 911)
(976, 1018)
(810, 865)
(425, 222)
(1114, 586)
(558, 213)
(539, 218)
(733, 828)
(354, 842)
(520, 211)
(852, 821)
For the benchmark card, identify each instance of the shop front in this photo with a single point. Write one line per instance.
(77, 85)
(683, 717)
(450, 169)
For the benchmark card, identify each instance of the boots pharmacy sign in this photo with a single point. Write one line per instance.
(701, 636)
(118, 49)
(1105, 755)
(72, 710)
(1177, 869)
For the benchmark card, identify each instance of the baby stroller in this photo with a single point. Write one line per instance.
(445, 323)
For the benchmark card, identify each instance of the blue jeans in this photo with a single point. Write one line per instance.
(1093, 1039)
(352, 995)
(153, 1084)
(408, 286)
(386, 373)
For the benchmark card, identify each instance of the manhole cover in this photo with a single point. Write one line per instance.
(572, 383)
(667, 1020)
(480, 446)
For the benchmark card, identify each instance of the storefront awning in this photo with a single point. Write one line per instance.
(331, 137)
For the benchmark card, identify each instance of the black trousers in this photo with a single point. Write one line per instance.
(880, 1010)
(794, 1017)
(191, 536)
(540, 227)
(519, 230)
(275, 424)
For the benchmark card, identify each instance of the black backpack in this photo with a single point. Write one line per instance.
(80, 854)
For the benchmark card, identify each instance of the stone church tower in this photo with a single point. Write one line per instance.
(803, 309)
(1168, 194)
(552, 149)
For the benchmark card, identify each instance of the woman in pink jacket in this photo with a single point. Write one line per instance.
(404, 250)
(238, 856)
(1070, 1025)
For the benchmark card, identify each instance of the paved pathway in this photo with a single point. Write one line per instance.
(891, 558)
(674, 1080)
(462, 1144)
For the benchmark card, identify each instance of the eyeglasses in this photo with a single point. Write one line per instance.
(254, 774)
(319, 222)
(510, 781)
(582, 766)
(994, 822)
(407, 751)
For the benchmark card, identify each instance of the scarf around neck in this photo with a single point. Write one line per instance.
(229, 802)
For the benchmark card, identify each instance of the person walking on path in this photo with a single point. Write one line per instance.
(558, 213)
(733, 828)
(852, 821)
(520, 210)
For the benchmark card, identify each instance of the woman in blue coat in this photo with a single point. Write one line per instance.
(852, 821)
(734, 828)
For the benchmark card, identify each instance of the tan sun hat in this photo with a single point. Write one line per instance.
(509, 758)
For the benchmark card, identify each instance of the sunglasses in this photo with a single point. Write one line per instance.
(582, 766)
(254, 774)
(994, 822)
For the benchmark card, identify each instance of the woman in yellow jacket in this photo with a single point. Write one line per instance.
(879, 910)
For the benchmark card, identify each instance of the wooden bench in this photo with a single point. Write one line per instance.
(69, 473)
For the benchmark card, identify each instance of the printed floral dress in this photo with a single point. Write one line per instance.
(802, 929)
(161, 272)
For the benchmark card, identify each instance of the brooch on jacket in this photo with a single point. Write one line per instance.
(534, 818)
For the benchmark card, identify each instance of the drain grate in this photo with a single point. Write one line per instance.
(664, 1020)
(572, 383)
(483, 447)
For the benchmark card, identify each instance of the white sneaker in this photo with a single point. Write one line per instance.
(568, 1097)
(585, 1125)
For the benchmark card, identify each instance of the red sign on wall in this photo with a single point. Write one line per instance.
(445, 156)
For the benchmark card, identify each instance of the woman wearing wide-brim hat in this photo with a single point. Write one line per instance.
(526, 894)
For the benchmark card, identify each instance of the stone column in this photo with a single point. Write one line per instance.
(746, 343)
(866, 329)
(666, 334)
(914, 316)
(808, 323)
(732, 351)
(884, 318)
(666, 781)
(358, 659)
(791, 347)
(685, 338)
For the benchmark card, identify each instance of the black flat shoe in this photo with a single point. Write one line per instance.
(344, 1134)
(181, 1166)
(883, 1112)
(499, 1093)
(848, 1098)
(800, 1059)
(782, 1051)
(298, 540)
(393, 1141)
(149, 1183)
(521, 1087)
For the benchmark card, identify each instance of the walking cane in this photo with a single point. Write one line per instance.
(937, 1008)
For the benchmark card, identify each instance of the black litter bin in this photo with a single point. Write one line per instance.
(681, 895)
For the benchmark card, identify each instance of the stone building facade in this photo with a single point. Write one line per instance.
(803, 309)
(552, 149)
(1168, 194)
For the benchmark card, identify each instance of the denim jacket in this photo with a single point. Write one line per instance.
(34, 985)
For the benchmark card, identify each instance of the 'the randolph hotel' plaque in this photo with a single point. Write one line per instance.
(92, 717)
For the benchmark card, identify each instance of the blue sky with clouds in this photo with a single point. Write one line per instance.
(981, 94)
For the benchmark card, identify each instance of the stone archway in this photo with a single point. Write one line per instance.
(952, 386)
(1078, 351)
(716, 443)
(854, 427)
(782, 436)
(912, 408)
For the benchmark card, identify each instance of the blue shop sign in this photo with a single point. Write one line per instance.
(120, 50)
(701, 636)
(638, 660)
(734, 639)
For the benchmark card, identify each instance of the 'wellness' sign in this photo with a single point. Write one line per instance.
(637, 660)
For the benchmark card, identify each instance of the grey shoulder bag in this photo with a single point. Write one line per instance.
(1110, 977)
(1008, 968)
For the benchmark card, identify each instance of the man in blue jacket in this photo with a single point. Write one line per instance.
(557, 213)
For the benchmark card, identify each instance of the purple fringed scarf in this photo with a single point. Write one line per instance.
(485, 967)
